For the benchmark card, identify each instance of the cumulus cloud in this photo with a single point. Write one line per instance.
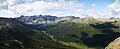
(24, 7)
(13, 8)
(2, 1)
(114, 8)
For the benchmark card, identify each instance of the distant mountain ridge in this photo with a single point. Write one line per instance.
(46, 19)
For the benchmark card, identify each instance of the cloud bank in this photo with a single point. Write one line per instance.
(33, 7)
(15, 8)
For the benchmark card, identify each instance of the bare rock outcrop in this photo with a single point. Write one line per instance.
(114, 45)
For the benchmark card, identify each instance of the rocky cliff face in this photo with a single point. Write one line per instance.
(114, 45)
(46, 19)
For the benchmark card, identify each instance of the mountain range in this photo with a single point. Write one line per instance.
(52, 32)
(46, 19)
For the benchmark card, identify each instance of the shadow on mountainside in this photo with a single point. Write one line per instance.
(104, 38)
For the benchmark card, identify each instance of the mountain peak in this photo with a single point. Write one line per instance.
(45, 19)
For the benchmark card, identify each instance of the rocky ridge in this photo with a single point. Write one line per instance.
(114, 45)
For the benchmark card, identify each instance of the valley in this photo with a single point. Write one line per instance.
(65, 34)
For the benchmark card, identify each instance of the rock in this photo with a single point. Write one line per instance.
(46, 19)
(114, 45)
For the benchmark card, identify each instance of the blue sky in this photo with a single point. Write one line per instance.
(79, 8)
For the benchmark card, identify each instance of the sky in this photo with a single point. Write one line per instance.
(78, 8)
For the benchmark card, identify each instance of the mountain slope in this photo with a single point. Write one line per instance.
(15, 35)
(93, 35)
(12, 30)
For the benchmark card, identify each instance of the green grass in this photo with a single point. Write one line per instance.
(74, 29)
(76, 45)
(0, 27)
(72, 33)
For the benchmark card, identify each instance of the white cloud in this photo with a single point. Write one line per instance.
(2, 1)
(115, 8)
(6, 13)
(15, 8)
(24, 7)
